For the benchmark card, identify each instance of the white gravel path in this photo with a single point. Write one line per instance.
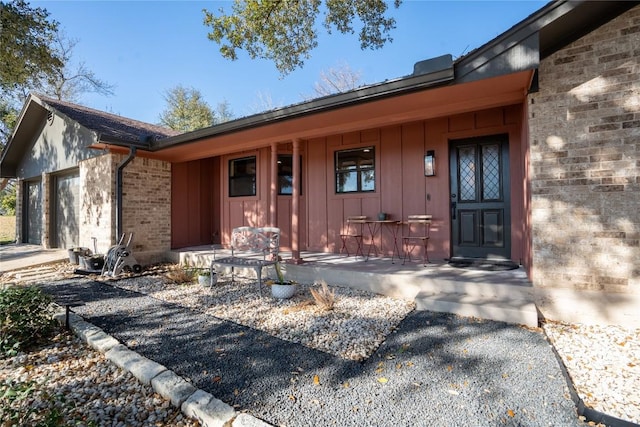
(353, 329)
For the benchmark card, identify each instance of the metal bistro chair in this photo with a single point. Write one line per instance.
(353, 229)
(418, 227)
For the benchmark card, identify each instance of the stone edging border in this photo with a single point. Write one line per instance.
(581, 408)
(193, 402)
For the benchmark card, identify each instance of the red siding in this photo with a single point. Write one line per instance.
(194, 195)
(401, 187)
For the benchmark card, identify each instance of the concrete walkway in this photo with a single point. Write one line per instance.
(18, 256)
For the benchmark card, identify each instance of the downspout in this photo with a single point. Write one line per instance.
(121, 166)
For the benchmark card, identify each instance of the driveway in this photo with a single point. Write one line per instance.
(17, 256)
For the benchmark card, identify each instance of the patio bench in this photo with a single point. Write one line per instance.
(251, 247)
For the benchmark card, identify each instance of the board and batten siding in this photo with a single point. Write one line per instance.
(401, 187)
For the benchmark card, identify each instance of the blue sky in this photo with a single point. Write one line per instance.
(147, 47)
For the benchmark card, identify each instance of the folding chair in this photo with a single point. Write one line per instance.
(352, 229)
(418, 227)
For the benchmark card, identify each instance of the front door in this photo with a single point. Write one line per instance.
(480, 215)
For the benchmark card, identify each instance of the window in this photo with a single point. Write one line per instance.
(242, 177)
(285, 174)
(355, 170)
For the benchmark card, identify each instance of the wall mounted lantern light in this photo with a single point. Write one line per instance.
(430, 163)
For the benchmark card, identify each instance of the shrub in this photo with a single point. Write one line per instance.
(26, 318)
(182, 275)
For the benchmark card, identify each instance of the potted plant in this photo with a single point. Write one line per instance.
(206, 278)
(281, 288)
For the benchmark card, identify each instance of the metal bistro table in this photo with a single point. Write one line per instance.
(375, 229)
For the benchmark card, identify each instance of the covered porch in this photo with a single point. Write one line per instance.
(504, 295)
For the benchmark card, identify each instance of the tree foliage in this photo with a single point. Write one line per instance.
(27, 53)
(284, 31)
(8, 198)
(35, 57)
(186, 110)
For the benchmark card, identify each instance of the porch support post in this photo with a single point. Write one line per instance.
(273, 196)
(295, 203)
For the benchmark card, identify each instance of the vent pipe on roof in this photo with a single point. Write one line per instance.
(433, 65)
(121, 166)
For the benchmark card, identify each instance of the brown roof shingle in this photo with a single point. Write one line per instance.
(109, 126)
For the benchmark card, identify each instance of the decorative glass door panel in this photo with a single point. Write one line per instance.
(480, 217)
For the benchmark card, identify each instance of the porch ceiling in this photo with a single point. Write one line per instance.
(421, 105)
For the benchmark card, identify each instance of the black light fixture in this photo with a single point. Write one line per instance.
(430, 163)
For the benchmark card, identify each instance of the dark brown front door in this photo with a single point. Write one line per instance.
(480, 216)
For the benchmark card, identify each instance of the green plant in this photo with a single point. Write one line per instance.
(12, 395)
(17, 405)
(26, 318)
(280, 277)
(279, 273)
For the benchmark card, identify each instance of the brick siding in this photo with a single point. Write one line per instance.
(146, 205)
(97, 202)
(584, 126)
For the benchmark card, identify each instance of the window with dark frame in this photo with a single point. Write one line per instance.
(285, 175)
(355, 170)
(242, 177)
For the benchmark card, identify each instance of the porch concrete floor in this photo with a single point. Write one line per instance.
(497, 295)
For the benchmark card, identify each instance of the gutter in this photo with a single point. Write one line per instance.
(121, 166)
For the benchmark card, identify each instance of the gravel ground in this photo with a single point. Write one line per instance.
(604, 365)
(67, 383)
(435, 369)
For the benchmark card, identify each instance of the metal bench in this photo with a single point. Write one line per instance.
(251, 247)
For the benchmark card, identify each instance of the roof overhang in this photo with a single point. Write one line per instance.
(31, 119)
(259, 131)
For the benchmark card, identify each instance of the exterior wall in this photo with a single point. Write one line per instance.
(60, 144)
(147, 207)
(585, 165)
(401, 187)
(254, 210)
(195, 203)
(97, 206)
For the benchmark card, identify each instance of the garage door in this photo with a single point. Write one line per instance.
(67, 210)
(33, 213)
